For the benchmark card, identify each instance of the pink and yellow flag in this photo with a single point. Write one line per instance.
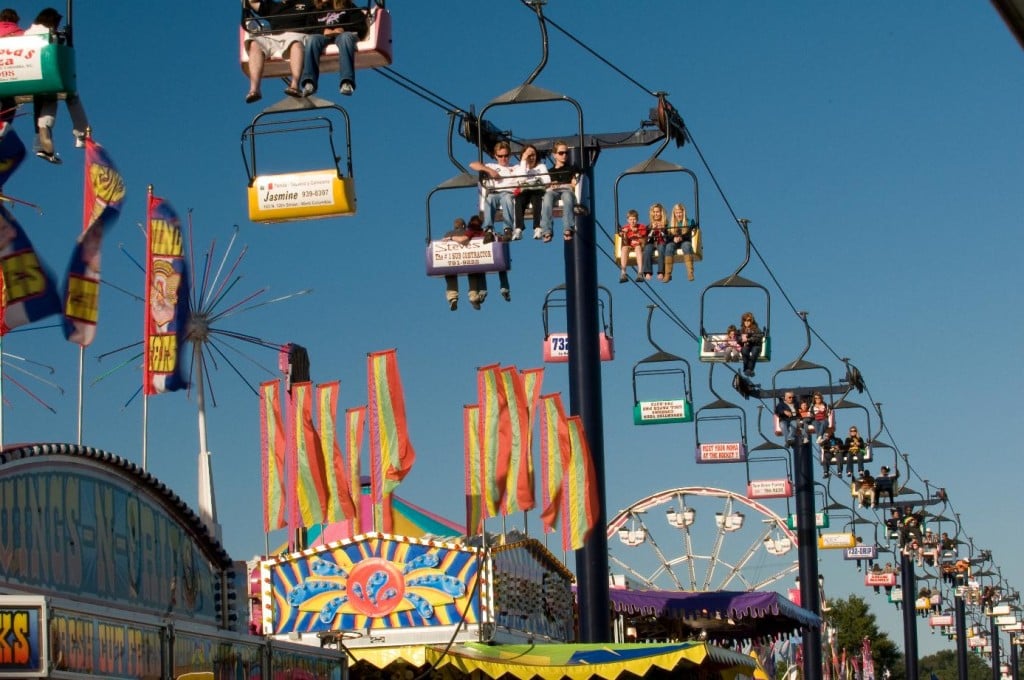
(554, 448)
(339, 499)
(580, 504)
(273, 442)
(495, 438)
(310, 476)
(391, 452)
(474, 478)
(519, 483)
(355, 425)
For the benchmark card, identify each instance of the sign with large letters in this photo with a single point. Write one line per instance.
(23, 652)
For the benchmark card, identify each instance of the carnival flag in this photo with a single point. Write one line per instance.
(519, 483)
(104, 196)
(167, 299)
(474, 478)
(391, 452)
(310, 479)
(554, 448)
(12, 153)
(580, 504)
(495, 437)
(867, 661)
(340, 505)
(355, 425)
(274, 445)
(533, 380)
(29, 292)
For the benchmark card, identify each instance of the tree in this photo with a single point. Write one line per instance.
(853, 621)
(943, 665)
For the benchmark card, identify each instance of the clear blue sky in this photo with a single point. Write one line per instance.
(876, 149)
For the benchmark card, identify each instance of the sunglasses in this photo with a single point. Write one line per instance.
(560, 153)
(502, 155)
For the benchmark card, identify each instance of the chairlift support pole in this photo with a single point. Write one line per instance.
(961, 634)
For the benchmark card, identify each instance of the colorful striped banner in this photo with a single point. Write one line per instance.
(311, 478)
(273, 444)
(391, 452)
(554, 448)
(339, 501)
(519, 483)
(580, 504)
(474, 499)
(495, 437)
(355, 425)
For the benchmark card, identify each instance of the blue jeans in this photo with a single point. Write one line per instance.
(495, 200)
(315, 45)
(547, 207)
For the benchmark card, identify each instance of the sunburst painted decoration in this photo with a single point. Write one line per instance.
(372, 582)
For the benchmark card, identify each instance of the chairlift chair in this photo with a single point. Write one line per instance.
(39, 64)
(373, 51)
(326, 190)
(446, 258)
(556, 344)
(678, 408)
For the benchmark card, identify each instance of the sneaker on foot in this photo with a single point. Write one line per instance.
(537, 233)
(51, 157)
(307, 89)
(453, 304)
(517, 234)
(505, 293)
(79, 141)
(623, 278)
(347, 88)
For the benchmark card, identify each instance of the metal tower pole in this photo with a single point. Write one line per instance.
(995, 648)
(961, 634)
(807, 554)
(585, 400)
(908, 582)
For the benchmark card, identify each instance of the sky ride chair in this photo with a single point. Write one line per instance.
(448, 258)
(654, 165)
(323, 191)
(556, 344)
(40, 64)
(676, 409)
(710, 341)
(733, 450)
(373, 51)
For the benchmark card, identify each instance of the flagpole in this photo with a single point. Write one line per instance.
(81, 374)
(145, 427)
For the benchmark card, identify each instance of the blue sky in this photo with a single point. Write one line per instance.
(875, 150)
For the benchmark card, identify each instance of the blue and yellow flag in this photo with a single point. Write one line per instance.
(29, 289)
(104, 196)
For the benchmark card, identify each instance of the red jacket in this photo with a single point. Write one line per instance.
(635, 235)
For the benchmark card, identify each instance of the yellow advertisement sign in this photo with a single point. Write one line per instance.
(301, 196)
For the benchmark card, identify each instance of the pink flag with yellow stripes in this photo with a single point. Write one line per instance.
(273, 445)
(311, 478)
(391, 452)
(554, 448)
(474, 478)
(355, 425)
(339, 499)
(519, 483)
(580, 505)
(495, 438)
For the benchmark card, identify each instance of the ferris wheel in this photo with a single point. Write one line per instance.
(700, 539)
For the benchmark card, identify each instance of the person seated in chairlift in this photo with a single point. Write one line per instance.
(855, 448)
(729, 346)
(787, 413)
(885, 483)
(947, 544)
(864, 489)
(286, 20)
(831, 450)
(339, 22)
